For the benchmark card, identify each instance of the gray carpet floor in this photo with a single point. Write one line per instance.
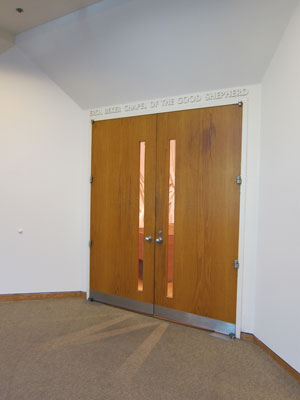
(71, 349)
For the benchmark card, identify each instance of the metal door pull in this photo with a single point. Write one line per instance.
(148, 238)
(159, 240)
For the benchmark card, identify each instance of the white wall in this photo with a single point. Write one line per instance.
(250, 233)
(278, 270)
(42, 139)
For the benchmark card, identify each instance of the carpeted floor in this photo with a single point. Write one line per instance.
(69, 349)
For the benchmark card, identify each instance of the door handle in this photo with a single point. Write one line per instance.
(159, 240)
(148, 238)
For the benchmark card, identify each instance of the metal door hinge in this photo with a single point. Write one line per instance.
(91, 179)
(92, 121)
(236, 264)
(240, 104)
(90, 243)
(239, 180)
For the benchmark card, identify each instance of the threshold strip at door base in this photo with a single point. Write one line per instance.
(163, 312)
(122, 302)
(195, 320)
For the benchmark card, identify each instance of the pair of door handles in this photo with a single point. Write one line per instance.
(157, 240)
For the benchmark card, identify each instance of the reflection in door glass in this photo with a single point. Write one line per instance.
(141, 216)
(171, 219)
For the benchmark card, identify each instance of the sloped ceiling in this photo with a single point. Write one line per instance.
(7, 40)
(119, 51)
(35, 12)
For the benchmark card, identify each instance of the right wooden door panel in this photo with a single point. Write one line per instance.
(197, 254)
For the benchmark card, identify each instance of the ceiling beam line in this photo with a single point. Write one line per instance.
(7, 40)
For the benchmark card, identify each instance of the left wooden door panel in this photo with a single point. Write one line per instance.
(117, 241)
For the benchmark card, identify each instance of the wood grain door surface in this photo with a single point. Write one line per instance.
(204, 242)
(115, 206)
(208, 160)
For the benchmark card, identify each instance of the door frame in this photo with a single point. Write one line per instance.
(188, 102)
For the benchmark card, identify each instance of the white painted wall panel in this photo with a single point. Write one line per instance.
(278, 271)
(42, 133)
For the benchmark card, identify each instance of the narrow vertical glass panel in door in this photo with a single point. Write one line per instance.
(171, 219)
(140, 285)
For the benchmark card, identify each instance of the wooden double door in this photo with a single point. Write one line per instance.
(165, 214)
